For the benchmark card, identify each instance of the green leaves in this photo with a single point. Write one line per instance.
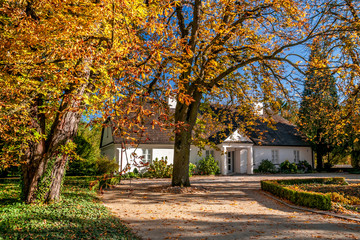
(78, 215)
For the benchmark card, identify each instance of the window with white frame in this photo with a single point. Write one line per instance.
(146, 155)
(275, 156)
(208, 153)
(296, 156)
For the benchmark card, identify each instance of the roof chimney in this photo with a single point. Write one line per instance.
(259, 108)
(172, 102)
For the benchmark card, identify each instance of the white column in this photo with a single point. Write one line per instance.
(223, 162)
(250, 160)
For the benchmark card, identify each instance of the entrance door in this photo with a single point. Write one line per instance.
(230, 161)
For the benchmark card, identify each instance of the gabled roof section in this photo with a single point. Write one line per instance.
(148, 131)
(148, 135)
(280, 133)
(237, 137)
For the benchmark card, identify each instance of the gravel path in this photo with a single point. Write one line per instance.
(225, 207)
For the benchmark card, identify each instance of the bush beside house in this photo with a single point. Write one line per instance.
(207, 166)
(266, 166)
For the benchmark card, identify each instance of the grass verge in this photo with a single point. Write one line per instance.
(79, 215)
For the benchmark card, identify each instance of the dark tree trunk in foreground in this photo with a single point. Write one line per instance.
(44, 168)
(185, 116)
(319, 161)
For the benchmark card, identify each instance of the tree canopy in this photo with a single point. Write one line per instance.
(58, 59)
(231, 52)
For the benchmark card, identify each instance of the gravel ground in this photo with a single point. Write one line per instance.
(224, 207)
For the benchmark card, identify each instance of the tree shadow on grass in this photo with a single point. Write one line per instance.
(61, 222)
(9, 201)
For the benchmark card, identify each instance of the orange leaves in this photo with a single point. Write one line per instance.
(184, 98)
(81, 53)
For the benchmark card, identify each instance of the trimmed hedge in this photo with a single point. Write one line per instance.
(307, 199)
(333, 180)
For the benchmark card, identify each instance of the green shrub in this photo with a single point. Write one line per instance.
(287, 167)
(307, 199)
(266, 166)
(192, 169)
(304, 166)
(160, 169)
(81, 167)
(84, 167)
(87, 150)
(207, 166)
(146, 175)
(131, 175)
(105, 166)
(334, 180)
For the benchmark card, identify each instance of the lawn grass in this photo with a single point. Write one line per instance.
(79, 215)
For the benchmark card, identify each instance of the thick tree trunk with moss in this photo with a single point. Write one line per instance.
(42, 182)
(185, 116)
(45, 161)
(43, 173)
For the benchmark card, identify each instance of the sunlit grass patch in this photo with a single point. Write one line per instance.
(78, 215)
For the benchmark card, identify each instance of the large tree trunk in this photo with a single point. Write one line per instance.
(43, 172)
(319, 160)
(185, 116)
(44, 167)
(57, 176)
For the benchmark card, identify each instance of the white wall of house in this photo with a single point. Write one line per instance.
(243, 162)
(133, 156)
(283, 153)
(240, 154)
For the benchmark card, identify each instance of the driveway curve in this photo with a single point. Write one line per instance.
(224, 207)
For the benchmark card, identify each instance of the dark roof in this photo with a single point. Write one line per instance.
(148, 131)
(280, 133)
(150, 135)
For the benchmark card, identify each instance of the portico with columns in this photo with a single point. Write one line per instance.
(236, 158)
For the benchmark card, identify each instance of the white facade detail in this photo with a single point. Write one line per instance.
(237, 154)
(236, 137)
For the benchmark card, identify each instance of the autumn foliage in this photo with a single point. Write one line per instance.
(122, 59)
(58, 59)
